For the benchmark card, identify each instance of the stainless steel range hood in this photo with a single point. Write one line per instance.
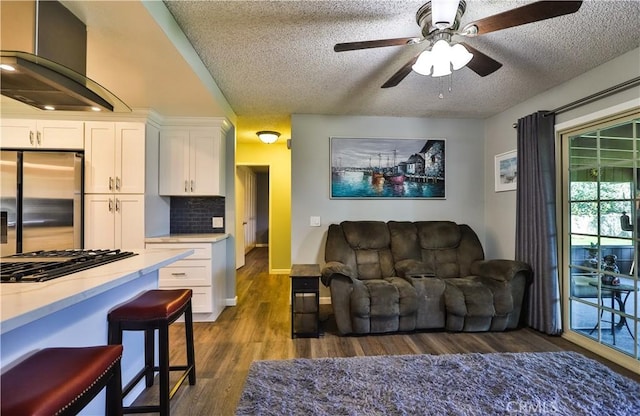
(43, 59)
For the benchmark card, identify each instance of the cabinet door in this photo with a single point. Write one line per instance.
(129, 158)
(174, 162)
(129, 221)
(204, 163)
(59, 134)
(17, 133)
(99, 222)
(99, 159)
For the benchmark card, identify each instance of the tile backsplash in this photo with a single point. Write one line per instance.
(191, 215)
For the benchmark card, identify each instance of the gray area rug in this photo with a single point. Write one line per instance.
(556, 383)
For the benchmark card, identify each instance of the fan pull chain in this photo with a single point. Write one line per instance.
(441, 95)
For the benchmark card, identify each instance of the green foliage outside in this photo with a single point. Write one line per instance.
(608, 201)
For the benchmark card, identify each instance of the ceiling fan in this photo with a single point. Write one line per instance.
(440, 20)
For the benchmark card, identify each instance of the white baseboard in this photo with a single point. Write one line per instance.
(231, 301)
(325, 300)
(262, 245)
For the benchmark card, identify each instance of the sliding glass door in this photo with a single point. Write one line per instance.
(601, 216)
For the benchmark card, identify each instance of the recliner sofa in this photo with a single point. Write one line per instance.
(405, 276)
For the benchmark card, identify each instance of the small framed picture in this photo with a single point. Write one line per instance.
(506, 171)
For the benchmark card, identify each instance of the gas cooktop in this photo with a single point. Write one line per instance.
(40, 266)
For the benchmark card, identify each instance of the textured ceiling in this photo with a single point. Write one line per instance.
(275, 58)
(272, 59)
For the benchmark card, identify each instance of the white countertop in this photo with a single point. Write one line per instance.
(188, 238)
(22, 303)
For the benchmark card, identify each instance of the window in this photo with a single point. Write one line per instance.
(601, 216)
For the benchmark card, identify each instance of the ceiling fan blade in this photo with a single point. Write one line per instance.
(529, 13)
(481, 64)
(401, 73)
(352, 46)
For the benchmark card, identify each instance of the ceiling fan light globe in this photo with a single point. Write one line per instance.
(460, 56)
(440, 51)
(441, 68)
(423, 64)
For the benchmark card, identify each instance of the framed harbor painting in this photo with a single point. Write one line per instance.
(506, 171)
(387, 168)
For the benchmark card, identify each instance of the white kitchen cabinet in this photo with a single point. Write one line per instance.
(114, 221)
(41, 134)
(114, 157)
(192, 162)
(203, 272)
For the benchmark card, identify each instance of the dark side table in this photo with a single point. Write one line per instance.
(305, 300)
(617, 291)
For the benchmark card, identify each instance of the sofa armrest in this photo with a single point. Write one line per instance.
(503, 270)
(336, 268)
(409, 267)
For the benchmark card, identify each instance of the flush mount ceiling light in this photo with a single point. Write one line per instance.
(267, 136)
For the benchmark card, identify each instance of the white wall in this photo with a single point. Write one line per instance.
(500, 136)
(310, 176)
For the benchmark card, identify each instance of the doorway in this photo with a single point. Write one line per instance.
(252, 226)
(601, 233)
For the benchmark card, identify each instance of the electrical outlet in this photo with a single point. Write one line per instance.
(217, 222)
(314, 221)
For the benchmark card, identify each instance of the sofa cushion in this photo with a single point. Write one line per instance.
(468, 297)
(362, 235)
(370, 242)
(404, 241)
(438, 234)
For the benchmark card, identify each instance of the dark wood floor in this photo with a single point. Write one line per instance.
(258, 329)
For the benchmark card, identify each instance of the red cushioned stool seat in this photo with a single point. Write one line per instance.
(62, 381)
(150, 311)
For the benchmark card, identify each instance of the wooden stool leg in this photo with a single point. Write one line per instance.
(191, 356)
(149, 356)
(114, 393)
(163, 358)
(115, 334)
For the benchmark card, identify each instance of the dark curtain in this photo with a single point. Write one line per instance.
(536, 232)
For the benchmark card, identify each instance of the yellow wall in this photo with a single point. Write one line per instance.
(278, 158)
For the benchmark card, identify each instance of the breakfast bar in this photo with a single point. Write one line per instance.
(71, 311)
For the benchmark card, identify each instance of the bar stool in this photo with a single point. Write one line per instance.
(62, 381)
(151, 310)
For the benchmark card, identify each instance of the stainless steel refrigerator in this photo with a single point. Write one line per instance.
(41, 204)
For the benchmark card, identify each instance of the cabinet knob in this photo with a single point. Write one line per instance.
(178, 274)
(31, 137)
(117, 183)
(117, 205)
(39, 137)
(110, 183)
(110, 205)
(192, 185)
(186, 184)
